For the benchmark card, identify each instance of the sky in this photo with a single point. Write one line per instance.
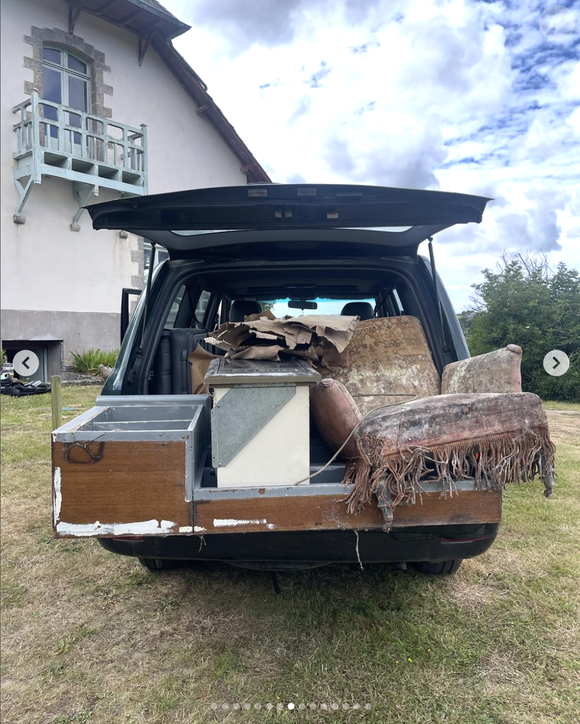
(453, 95)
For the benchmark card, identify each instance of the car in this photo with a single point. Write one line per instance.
(167, 467)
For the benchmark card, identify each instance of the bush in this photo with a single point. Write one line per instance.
(88, 362)
(524, 302)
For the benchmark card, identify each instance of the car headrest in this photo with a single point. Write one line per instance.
(242, 307)
(364, 310)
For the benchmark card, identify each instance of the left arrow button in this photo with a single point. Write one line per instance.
(25, 363)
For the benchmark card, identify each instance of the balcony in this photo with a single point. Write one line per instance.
(92, 152)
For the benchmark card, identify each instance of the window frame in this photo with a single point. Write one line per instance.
(172, 316)
(65, 71)
(161, 255)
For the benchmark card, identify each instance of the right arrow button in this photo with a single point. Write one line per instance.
(556, 363)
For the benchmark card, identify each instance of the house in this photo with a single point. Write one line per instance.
(96, 104)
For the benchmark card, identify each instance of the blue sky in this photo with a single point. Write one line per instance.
(456, 95)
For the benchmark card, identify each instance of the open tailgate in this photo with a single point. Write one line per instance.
(397, 219)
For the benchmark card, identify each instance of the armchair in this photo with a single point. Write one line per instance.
(473, 423)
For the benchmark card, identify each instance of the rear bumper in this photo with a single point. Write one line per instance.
(427, 543)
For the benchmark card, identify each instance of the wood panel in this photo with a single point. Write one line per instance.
(319, 512)
(131, 482)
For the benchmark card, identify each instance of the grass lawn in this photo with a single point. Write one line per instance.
(93, 637)
(571, 407)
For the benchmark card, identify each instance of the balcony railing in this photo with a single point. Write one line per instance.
(93, 152)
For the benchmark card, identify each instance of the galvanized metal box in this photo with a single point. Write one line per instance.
(260, 426)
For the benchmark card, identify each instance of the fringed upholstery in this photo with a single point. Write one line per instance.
(493, 439)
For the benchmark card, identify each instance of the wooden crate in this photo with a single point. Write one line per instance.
(128, 466)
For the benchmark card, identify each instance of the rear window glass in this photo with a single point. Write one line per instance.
(170, 321)
(280, 307)
(202, 304)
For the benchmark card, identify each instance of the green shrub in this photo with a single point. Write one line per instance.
(525, 302)
(88, 361)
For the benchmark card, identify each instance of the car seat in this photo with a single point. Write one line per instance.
(241, 308)
(363, 310)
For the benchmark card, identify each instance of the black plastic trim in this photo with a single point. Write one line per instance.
(420, 544)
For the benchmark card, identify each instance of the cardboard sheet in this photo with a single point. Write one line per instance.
(263, 336)
(199, 359)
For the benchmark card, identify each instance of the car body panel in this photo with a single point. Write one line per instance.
(425, 543)
(173, 220)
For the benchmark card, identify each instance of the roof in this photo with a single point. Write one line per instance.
(209, 109)
(139, 16)
(158, 6)
(156, 26)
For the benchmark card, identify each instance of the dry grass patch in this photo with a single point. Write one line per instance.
(565, 425)
(473, 596)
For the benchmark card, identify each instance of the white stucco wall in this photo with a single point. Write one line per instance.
(45, 265)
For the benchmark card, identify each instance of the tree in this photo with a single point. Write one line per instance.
(465, 318)
(525, 302)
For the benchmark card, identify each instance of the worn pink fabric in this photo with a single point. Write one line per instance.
(498, 371)
(491, 432)
(335, 415)
(387, 360)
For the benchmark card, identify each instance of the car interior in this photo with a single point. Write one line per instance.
(204, 302)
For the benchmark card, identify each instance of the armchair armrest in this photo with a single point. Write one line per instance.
(498, 371)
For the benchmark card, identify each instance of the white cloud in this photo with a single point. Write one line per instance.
(453, 94)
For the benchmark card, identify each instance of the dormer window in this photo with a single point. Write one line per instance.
(66, 81)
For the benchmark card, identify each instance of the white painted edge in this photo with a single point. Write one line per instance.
(56, 494)
(144, 527)
(232, 523)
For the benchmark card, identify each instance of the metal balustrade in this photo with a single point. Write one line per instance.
(91, 151)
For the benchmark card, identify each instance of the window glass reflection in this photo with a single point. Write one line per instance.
(76, 64)
(51, 54)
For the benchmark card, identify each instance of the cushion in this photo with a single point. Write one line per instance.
(497, 371)
(335, 415)
(386, 359)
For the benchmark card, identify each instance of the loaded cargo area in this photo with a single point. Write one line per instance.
(142, 466)
(239, 413)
